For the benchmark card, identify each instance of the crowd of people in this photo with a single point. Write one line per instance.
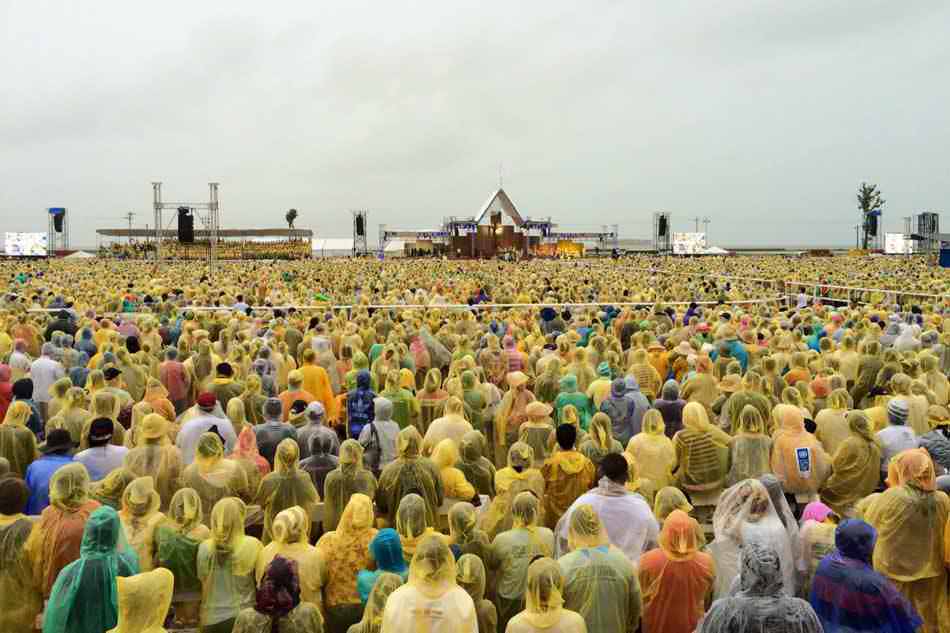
(353, 446)
(198, 251)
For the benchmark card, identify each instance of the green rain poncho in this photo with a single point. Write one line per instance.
(513, 551)
(348, 478)
(177, 541)
(406, 408)
(477, 468)
(474, 400)
(600, 582)
(409, 473)
(570, 395)
(85, 598)
(286, 487)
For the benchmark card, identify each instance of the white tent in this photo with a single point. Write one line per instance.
(80, 255)
(343, 247)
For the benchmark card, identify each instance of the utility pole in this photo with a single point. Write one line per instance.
(706, 228)
(696, 220)
(128, 216)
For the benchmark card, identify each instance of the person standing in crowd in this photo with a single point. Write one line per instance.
(44, 371)
(676, 579)
(911, 521)
(600, 583)
(760, 604)
(273, 431)
(567, 475)
(102, 457)
(85, 596)
(208, 420)
(16, 573)
(56, 453)
(849, 595)
(626, 516)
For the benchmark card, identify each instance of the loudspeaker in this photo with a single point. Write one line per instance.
(186, 226)
(661, 226)
(58, 221)
(359, 225)
(872, 226)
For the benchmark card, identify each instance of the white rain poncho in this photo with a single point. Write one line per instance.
(745, 515)
(431, 601)
(760, 606)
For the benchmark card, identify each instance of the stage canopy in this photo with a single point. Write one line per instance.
(248, 234)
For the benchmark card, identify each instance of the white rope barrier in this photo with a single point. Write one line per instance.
(459, 306)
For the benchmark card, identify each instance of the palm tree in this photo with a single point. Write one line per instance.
(291, 217)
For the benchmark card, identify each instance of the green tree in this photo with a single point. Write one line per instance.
(869, 200)
(291, 217)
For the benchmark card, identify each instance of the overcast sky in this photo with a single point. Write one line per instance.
(762, 115)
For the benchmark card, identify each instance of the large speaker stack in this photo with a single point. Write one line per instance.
(662, 243)
(360, 248)
(186, 225)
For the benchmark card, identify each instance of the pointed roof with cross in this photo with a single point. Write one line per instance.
(499, 201)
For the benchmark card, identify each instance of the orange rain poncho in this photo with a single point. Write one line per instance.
(676, 579)
(798, 459)
(57, 536)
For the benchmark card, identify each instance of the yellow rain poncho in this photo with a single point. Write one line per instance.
(143, 601)
(279, 605)
(349, 478)
(56, 538)
(213, 477)
(286, 487)
(226, 564)
(653, 451)
(855, 466)
(600, 442)
(454, 484)
(108, 490)
(17, 443)
(155, 456)
(140, 517)
(911, 518)
(513, 550)
(600, 583)
(72, 416)
(345, 551)
(291, 530)
(104, 405)
(750, 449)
(701, 451)
(25, 600)
(515, 478)
(431, 600)
(410, 472)
(567, 475)
(544, 606)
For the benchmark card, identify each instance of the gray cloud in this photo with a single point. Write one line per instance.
(763, 116)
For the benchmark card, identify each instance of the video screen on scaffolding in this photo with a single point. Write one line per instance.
(898, 244)
(25, 244)
(689, 243)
